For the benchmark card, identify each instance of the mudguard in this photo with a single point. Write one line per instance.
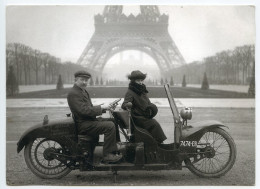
(195, 131)
(55, 128)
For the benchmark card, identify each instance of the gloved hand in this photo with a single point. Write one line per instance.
(151, 111)
(128, 105)
(105, 107)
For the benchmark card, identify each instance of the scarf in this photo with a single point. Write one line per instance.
(137, 88)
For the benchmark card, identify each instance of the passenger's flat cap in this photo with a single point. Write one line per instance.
(82, 74)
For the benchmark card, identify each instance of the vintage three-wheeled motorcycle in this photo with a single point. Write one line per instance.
(54, 148)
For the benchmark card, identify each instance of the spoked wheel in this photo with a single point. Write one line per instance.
(39, 157)
(216, 154)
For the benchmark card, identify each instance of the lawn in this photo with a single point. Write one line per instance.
(119, 92)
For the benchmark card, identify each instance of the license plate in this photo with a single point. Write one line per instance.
(188, 143)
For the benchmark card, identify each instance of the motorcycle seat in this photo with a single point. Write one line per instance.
(88, 138)
(123, 116)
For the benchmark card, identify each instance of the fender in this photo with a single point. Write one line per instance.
(195, 131)
(54, 128)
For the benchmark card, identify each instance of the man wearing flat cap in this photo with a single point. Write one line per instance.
(85, 116)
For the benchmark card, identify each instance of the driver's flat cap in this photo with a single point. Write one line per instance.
(82, 74)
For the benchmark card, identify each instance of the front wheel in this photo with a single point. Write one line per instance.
(39, 159)
(216, 154)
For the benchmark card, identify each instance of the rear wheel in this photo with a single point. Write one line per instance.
(39, 158)
(216, 154)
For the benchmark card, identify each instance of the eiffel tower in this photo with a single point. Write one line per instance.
(115, 32)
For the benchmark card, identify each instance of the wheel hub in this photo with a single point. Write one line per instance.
(48, 154)
(209, 152)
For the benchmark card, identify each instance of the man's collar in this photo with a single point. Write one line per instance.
(79, 88)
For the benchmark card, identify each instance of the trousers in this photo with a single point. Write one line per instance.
(101, 126)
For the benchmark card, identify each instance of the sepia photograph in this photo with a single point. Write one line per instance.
(130, 95)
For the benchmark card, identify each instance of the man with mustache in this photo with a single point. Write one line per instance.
(85, 116)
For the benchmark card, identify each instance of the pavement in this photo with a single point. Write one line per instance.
(160, 102)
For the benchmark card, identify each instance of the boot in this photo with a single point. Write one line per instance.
(112, 158)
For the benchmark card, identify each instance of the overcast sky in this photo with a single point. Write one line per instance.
(64, 31)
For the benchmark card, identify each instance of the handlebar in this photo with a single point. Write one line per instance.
(113, 105)
(115, 102)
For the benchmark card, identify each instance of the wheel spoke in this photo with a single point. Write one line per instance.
(43, 146)
(210, 165)
(216, 139)
(225, 152)
(54, 145)
(223, 141)
(206, 137)
(48, 142)
(204, 165)
(217, 162)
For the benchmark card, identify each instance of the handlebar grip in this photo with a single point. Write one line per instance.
(115, 102)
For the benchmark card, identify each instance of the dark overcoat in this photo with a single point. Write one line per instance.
(81, 106)
(140, 103)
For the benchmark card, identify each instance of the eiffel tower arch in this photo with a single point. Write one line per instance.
(116, 32)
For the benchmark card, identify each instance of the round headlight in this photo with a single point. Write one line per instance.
(186, 113)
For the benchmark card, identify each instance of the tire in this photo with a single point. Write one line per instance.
(220, 161)
(42, 166)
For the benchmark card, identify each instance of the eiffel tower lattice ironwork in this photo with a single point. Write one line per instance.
(116, 32)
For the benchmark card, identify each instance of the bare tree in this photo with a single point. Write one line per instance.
(31, 64)
(14, 54)
(9, 57)
(230, 66)
(45, 62)
(24, 55)
(37, 64)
